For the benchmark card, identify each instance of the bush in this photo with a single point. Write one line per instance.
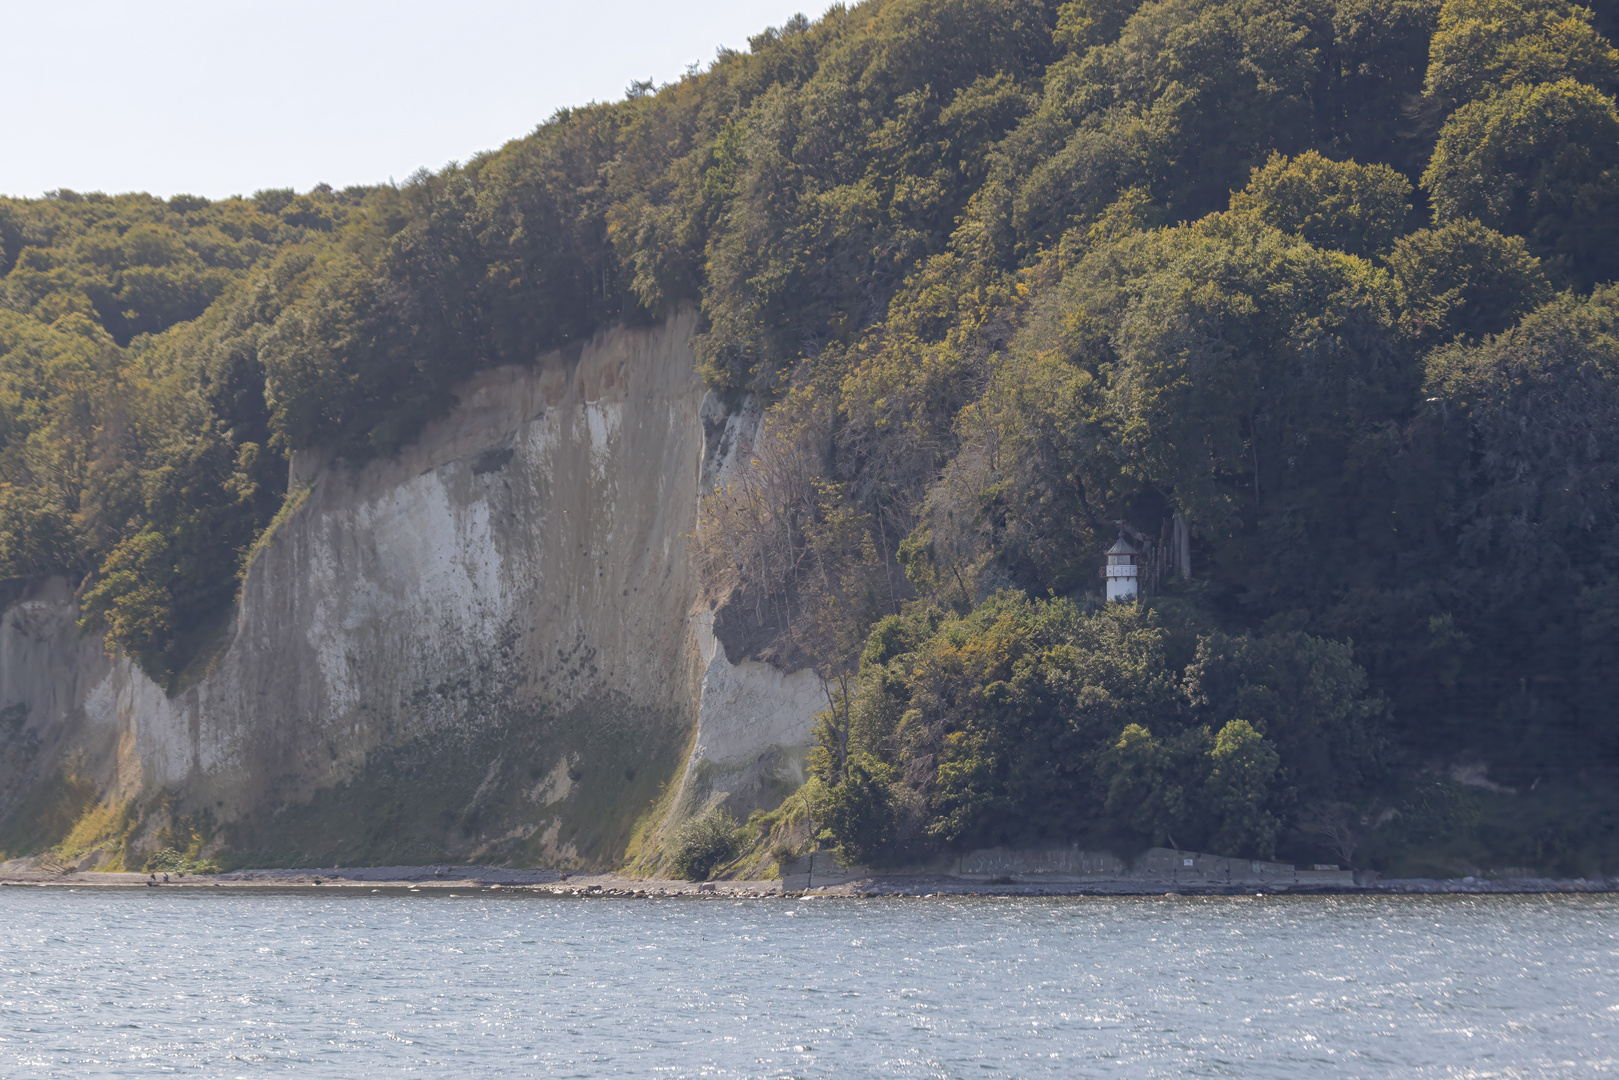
(859, 813)
(704, 843)
(172, 861)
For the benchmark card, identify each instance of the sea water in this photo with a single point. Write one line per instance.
(328, 983)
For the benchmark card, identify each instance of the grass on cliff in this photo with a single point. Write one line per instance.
(771, 839)
(101, 824)
(47, 813)
(471, 796)
(294, 502)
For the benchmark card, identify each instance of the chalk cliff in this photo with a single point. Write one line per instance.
(489, 646)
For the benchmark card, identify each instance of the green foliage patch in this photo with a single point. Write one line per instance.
(702, 844)
(171, 860)
(1028, 719)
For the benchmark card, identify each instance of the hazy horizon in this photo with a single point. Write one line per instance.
(216, 101)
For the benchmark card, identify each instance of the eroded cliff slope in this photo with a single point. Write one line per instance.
(489, 646)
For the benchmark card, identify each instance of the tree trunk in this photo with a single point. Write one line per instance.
(1183, 547)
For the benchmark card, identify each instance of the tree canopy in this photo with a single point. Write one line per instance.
(1321, 287)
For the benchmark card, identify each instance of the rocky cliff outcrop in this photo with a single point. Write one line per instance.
(489, 646)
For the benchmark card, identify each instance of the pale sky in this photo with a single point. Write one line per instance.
(225, 97)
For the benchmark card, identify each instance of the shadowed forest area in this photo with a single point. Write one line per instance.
(1314, 300)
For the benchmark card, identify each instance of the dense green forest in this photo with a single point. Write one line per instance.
(1322, 285)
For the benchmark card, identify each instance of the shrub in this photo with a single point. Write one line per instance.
(172, 861)
(859, 813)
(704, 843)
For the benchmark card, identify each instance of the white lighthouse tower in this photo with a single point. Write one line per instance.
(1121, 571)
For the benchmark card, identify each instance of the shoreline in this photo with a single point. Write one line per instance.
(489, 879)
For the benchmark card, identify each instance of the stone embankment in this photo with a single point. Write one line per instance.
(1156, 872)
(930, 887)
(454, 880)
(992, 872)
(1071, 868)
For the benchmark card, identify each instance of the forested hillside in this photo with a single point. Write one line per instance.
(1322, 287)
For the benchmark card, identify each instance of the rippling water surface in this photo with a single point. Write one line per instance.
(108, 982)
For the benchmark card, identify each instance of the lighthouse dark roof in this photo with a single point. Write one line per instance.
(1122, 548)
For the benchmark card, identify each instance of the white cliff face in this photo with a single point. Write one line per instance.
(486, 646)
(752, 739)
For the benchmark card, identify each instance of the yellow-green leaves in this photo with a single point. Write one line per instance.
(1465, 278)
(1242, 768)
(1486, 46)
(1542, 162)
(1026, 720)
(1360, 209)
(1084, 23)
